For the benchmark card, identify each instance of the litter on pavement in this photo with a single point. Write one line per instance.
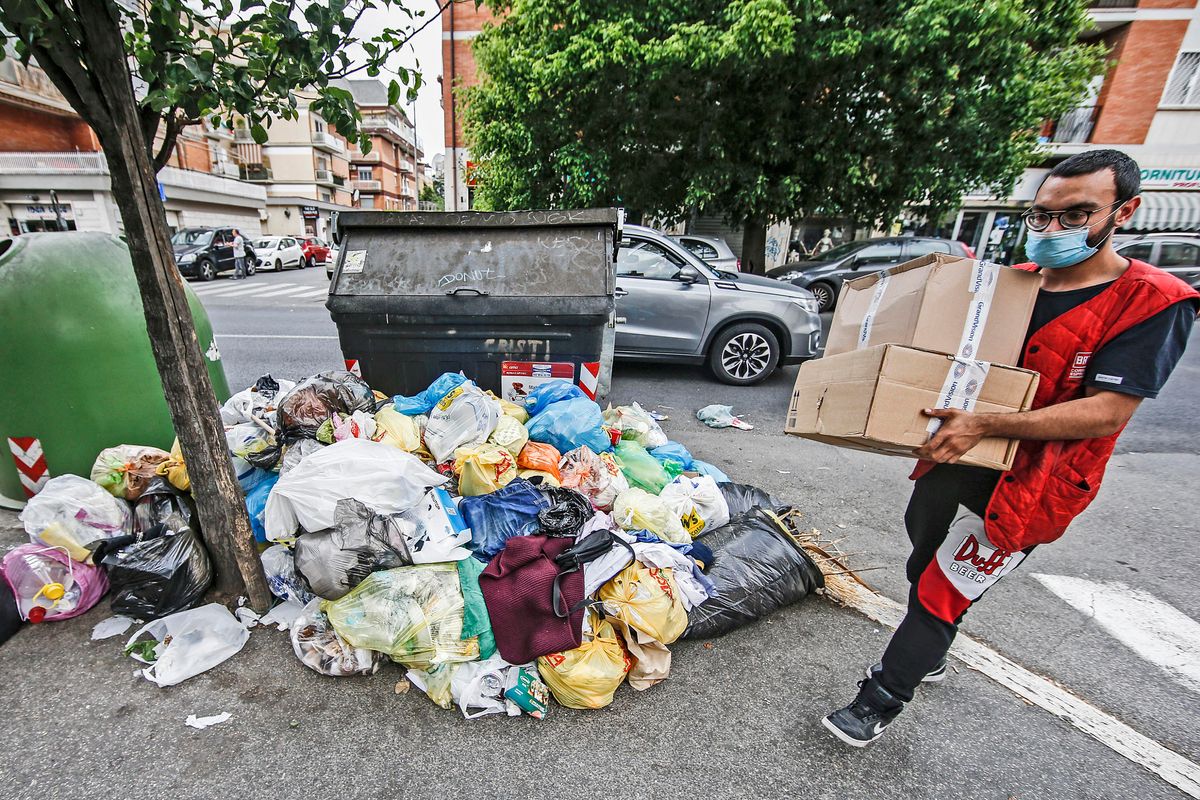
(200, 723)
(500, 554)
(718, 416)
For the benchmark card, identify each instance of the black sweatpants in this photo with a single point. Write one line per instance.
(924, 637)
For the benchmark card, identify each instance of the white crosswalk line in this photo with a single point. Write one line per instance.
(243, 290)
(281, 292)
(314, 293)
(1156, 631)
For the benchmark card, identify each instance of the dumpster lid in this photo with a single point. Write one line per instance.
(567, 253)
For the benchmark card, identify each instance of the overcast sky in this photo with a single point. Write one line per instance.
(425, 53)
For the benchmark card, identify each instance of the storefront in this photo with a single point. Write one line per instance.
(1170, 201)
(37, 211)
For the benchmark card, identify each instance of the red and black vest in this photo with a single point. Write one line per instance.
(1051, 483)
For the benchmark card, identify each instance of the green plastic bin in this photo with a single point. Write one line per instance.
(76, 370)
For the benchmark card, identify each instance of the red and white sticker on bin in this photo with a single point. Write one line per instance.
(517, 378)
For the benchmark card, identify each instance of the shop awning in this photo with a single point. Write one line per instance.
(1167, 211)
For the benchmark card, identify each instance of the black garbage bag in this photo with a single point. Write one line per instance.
(742, 497)
(568, 512)
(160, 501)
(10, 616)
(161, 571)
(757, 569)
(314, 399)
(334, 561)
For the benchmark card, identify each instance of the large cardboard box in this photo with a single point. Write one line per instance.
(938, 302)
(872, 400)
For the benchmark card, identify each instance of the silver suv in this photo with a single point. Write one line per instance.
(672, 307)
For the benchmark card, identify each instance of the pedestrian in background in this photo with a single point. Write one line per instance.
(1106, 332)
(239, 256)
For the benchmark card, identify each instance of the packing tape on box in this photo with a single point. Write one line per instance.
(984, 277)
(960, 390)
(864, 330)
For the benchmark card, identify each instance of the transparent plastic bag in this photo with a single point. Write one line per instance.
(596, 475)
(333, 562)
(319, 647)
(279, 565)
(414, 615)
(636, 509)
(509, 434)
(189, 643)
(483, 468)
(463, 418)
(73, 512)
(589, 675)
(640, 468)
(636, 424)
(48, 585)
(313, 400)
(257, 401)
(296, 452)
(698, 502)
(125, 470)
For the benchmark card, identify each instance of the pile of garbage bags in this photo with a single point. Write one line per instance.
(502, 554)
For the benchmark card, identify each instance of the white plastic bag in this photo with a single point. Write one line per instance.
(478, 688)
(698, 503)
(247, 402)
(382, 477)
(465, 417)
(635, 422)
(200, 639)
(441, 532)
(71, 512)
(279, 565)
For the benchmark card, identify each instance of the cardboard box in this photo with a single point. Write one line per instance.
(872, 400)
(927, 303)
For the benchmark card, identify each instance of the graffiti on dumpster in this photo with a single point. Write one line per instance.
(534, 348)
(487, 274)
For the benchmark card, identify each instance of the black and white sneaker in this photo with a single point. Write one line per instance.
(935, 675)
(864, 720)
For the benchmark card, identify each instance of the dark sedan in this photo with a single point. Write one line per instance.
(847, 261)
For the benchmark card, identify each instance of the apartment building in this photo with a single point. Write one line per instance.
(461, 22)
(1147, 104)
(390, 176)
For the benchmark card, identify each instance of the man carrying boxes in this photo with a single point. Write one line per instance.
(1010, 454)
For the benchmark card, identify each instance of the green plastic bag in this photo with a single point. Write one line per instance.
(476, 621)
(643, 470)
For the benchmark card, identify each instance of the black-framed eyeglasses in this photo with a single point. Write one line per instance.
(1071, 218)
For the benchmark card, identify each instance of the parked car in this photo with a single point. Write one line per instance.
(712, 250)
(205, 252)
(847, 261)
(674, 308)
(331, 261)
(279, 253)
(1177, 253)
(316, 251)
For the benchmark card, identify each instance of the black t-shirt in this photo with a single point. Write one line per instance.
(1135, 362)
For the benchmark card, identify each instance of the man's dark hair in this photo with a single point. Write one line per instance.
(1126, 174)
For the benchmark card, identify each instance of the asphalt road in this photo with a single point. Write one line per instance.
(738, 716)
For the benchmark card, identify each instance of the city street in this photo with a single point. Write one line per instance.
(739, 715)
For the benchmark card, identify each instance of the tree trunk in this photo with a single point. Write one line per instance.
(754, 246)
(110, 108)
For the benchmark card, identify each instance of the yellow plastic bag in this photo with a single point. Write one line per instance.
(511, 409)
(646, 599)
(399, 430)
(510, 434)
(530, 474)
(636, 509)
(483, 469)
(175, 470)
(588, 676)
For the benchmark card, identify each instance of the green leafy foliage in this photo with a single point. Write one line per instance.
(196, 60)
(767, 109)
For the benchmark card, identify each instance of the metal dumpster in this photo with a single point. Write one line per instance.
(510, 299)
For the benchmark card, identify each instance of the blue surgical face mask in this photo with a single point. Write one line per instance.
(1064, 248)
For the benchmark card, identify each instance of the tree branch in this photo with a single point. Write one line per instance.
(170, 136)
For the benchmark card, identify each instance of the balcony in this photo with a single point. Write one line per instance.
(218, 131)
(53, 164)
(227, 168)
(405, 165)
(387, 125)
(328, 178)
(359, 157)
(255, 173)
(1075, 127)
(367, 186)
(1113, 4)
(243, 135)
(327, 141)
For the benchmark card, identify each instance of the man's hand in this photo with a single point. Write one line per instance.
(960, 431)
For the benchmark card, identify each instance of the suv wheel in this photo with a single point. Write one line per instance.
(824, 294)
(308, 262)
(251, 266)
(744, 354)
(205, 270)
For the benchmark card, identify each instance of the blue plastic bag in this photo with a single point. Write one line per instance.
(569, 424)
(256, 503)
(253, 477)
(704, 468)
(497, 517)
(550, 392)
(423, 402)
(674, 451)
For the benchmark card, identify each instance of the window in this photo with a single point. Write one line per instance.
(288, 243)
(1183, 88)
(322, 163)
(882, 253)
(366, 201)
(1178, 254)
(318, 125)
(325, 197)
(364, 174)
(642, 259)
(1141, 251)
(701, 250)
(923, 247)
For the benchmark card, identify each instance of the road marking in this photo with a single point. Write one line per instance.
(241, 290)
(315, 293)
(1156, 631)
(1104, 728)
(279, 292)
(267, 336)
